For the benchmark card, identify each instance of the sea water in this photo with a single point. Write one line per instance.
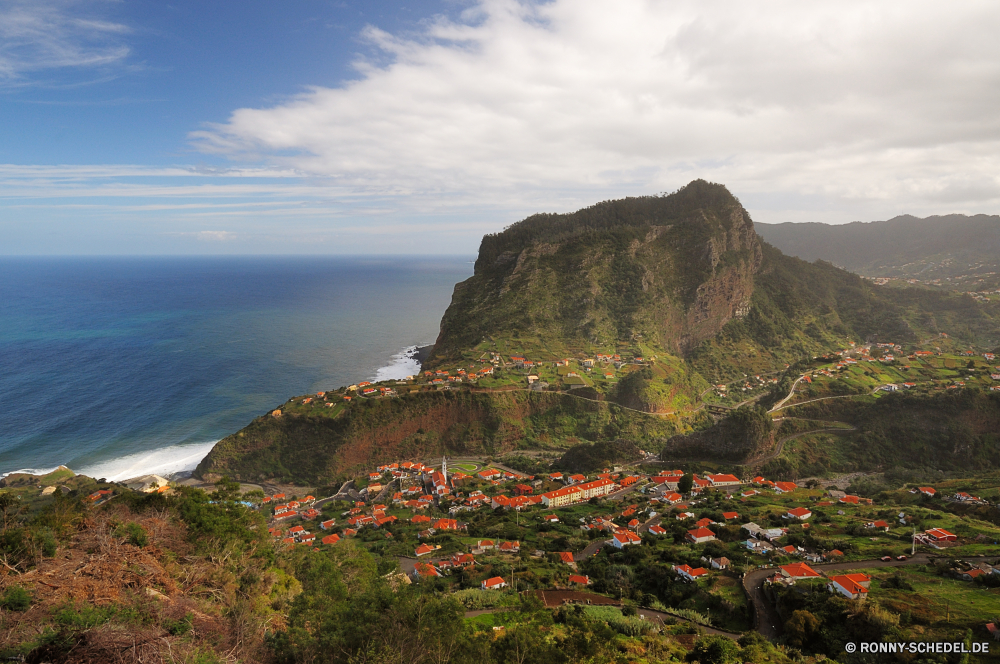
(117, 367)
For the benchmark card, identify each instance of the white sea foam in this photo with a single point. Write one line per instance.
(32, 471)
(402, 364)
(164, 461)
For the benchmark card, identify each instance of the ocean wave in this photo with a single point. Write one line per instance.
(165, 461)
(401, 365)
(32, 471)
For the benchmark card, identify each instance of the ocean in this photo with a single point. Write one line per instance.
(117, 367)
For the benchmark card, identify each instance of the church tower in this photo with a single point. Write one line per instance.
(444, 468)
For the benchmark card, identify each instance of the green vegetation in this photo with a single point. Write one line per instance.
(954, 430)
(590, 457)
(317, 449)
(954, 251)
(745, 433)
(15, 598)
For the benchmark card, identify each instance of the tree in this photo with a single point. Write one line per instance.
(801, 627)
(715, 649)
(685, 484)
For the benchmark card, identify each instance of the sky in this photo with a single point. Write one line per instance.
(319, 126)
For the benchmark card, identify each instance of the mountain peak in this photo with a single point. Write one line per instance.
(669, 271)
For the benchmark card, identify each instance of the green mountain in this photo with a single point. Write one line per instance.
(655, 300)
(671, 271)
(939, 249)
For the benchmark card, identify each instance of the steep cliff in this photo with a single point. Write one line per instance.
(669, 271)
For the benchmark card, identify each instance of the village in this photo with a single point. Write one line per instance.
(935, 365)
(725, 544)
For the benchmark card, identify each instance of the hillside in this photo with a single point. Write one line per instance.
(669, 271)
(650, 303)
(935, 250)
(317, 449)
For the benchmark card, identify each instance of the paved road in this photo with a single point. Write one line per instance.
(591, 550)
(651, 522)
(781, 403)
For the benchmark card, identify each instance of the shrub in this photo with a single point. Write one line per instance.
(133, 533)
(16, 598)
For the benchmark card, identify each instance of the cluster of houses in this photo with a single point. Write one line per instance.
(851, 586)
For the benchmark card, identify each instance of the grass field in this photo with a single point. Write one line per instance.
(936, 603)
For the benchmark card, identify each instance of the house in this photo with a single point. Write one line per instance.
(700, 535)
(687, 573)
(510, 547)
(425, 570)
(447, 524)
(992, 629)
(575, 479)
(941, 535)
(880, 525)
(799, 571)
(623, 538)
(800, 513)
(577, 493)
(627, 481)
(462, 560)
(852, 586)
(850, 500)
(700, 483)
(657, 530)
(785, 487)
(424, 549)
(582, 580)
(756, 546)
(565, 556)
(971, 574)
(550, 518)
(490, 474)
(723, 480)
(928, 491)
(672, 498)
(730, 515)
(486, 544)
(495, 583)
(330, 539)
(523, 490)
(98, 496)
(720, 563)
(704, 523)
(685, 515)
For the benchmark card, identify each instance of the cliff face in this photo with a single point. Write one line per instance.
(668, 271)
(322, 449)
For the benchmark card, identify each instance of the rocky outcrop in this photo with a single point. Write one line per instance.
(669, 270)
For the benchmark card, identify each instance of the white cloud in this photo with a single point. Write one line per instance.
(39, 35)
(871, 108)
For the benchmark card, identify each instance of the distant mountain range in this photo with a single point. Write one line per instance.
(937, 250)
